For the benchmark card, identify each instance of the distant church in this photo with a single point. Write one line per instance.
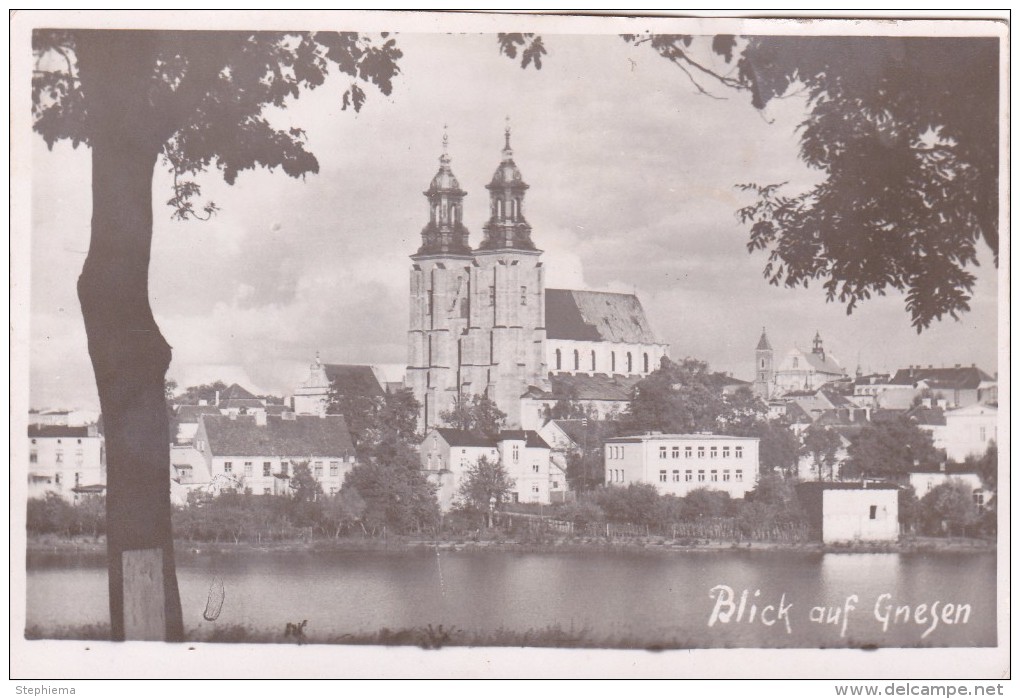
(799, 370)
(483, 322)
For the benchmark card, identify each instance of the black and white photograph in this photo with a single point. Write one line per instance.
(425, 343)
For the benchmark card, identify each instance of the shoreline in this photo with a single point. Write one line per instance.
(90, 545)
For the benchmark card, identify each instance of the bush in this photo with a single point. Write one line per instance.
(54, 515)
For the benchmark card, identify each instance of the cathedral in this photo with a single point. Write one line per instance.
(482, 321)
(799, 370)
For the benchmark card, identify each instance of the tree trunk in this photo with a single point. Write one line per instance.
(128, 352)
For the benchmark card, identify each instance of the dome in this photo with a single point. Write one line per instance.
(507, 174)
(445, 180)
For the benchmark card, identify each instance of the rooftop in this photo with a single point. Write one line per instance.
(959, 377)
(302, 436)
(696, 437)
(59, 431)
(599, 316)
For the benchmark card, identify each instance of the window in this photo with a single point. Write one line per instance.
(688, 475)
(612, 362)
(247, 469)
(60, 456)
(267, 468)
(873, 512)
(57, 478)
(318, 470)
(662, 476)
(516, 452)
(33, 457)
(715, 475)
(676, 476)
(713, 452)
(555, 485)
(662, 452)
(228, 466)
(725, 452)
(620, 452)
(79, 455)
(979, 498)
(524, 296)
(535, 468)
(701, 452)
(630, 363)
(593, 364)
(577, 360)
(559, 360)
(725, 475)
(984, 433)
(534, 488)
(283, 467)
(334, 469)
(701, 476)
(687, 452)
(738, 452)
(676, 452)
(740, 475)
(77, 480)
(646, 362)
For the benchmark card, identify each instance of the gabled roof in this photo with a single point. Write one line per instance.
(304, 436)
(64, 431)
(531, 439)
(968, 377)
(464, 438)
(353, 379)
(824, 365)
(235, 391)
(242, 403)
(585, 387)
(572, 314)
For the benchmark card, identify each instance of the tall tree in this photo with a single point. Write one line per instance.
(194, 99)
(477, 413)
(677, 397)
(891, 449)
(905, 132)
(822, 444)
(486, 485)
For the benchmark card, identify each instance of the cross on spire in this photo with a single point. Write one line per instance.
(507, 132)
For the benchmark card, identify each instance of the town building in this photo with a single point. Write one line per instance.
(312, 396)
(483, 322)
(69, 461)
(923, 480)
(799, 370)
(258, 453)
(676, 464)
(970, 431)
(842, 512)
(959, 386)
(448, 454)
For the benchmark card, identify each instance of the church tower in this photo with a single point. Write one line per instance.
(503, 351)
(763, 369)
(440, 297)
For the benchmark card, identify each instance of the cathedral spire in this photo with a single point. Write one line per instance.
(445, 233)
(507, 228)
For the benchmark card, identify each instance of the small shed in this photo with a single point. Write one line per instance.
(847, 512)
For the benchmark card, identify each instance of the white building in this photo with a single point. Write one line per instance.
(257, 453)
(924, 481)
(66, 460)
(849, 512)
(676, 464)
(970, 431)
(448, 454)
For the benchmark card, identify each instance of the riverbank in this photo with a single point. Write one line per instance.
(97, 545)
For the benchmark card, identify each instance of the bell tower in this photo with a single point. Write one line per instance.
(440, 297)
(763, 369)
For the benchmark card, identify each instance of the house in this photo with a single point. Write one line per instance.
(676, 464)
(960, 386)
(847, 512)
(312, 396)
(923, 480)
(189, 471)
(67, 460)
(257, 453)
(799, 370)
(969, 431)
(448, 454)
(601, 395)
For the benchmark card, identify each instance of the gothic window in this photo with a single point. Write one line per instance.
(612, 362)
(630, 363)
(577, 360)
(524, 296)
(763, 364)
(559, 360)
(646, 362)
(593, 360)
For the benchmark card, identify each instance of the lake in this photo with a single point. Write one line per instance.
(659, 598)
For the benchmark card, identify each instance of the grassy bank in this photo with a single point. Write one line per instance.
(57, 544)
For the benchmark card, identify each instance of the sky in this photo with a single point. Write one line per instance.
(632, 178)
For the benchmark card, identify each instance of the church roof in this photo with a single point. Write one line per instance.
(763, 343)
(823, 365)
(353, 379)
(303, 436)
(573, 314)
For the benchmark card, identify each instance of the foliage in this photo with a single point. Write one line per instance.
(303, 486)
(374, 421)
(891, 448)
(485, 482)
(778, 496)
(677, 397)
(778, 447)
(581, 512)
(54, 515)
(193, 395)
(909, 508)
(396, 495)
(949, 508)
(477, 413)
(703, 502)
(342, 512)
(904, 131)
(822, 444)
(635, 504)
(987, 466)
